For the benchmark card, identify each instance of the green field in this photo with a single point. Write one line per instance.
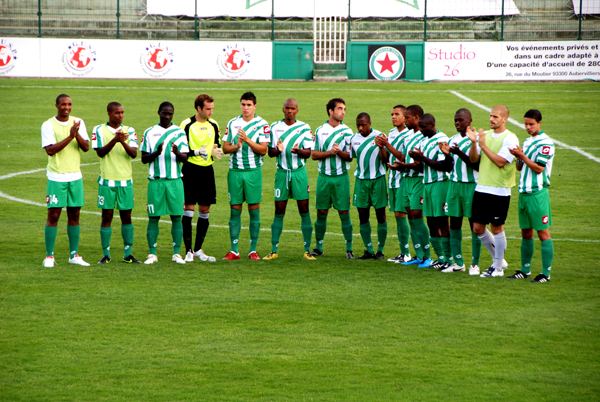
(292, 329)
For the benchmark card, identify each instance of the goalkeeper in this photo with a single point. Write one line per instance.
(198, 174)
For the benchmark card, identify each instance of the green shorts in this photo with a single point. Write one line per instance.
(534, 210)
(291, 184)
(64, 194)
(396, 204)
(460, 199)
(122, 196)
(369, 193)
(165, 197)
(244, 185)
(412, 197)
(434, 199)
(333, 190)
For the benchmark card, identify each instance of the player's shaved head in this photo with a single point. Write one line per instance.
(365, 116)
(427, 118)
(291, 102)
(501, 110)
(112, 105)
(59, 97)
(464, 111)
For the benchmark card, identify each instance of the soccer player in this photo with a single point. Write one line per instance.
(434, 153)
(164, 148)
(395, 137)
(198, 174)
(62, 137)
(291, 142)
(116, 145)
(463, 179)
(246, 139)
(491, 199)
(412, 196)
(332, 150)
(370, 187)
(535, 163)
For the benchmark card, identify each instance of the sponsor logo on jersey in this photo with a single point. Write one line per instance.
(8, 55)
(386, 63)
(94, 136)
(156, 60)
(79, 58)
(545, 219)
(546, 150)
(267, 130)
(233, 60)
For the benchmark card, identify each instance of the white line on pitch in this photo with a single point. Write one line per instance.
(520, 125)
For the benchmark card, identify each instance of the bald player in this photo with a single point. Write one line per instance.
(491, 199)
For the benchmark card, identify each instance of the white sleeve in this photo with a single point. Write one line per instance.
(510, 141)
(83, 131)
(48, 137)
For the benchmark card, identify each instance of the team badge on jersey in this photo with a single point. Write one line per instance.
(233, 61)
(8, 55)
(79, 58)
(156, 60)
(546, 150)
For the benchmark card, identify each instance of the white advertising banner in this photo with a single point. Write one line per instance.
(71, 58)
(326, 8)
(587, 7)
(498, 61)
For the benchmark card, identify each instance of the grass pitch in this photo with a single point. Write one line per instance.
(291, 329)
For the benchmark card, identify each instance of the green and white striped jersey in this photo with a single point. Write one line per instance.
(297, 134)
(461, 173)
(431, 150)
(395, 138)
(539, 149)
(166, 165)
(325, 138)
(257, 130)
(410, 142)
(368, 160)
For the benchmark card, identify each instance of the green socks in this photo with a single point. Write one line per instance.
(436, 243)
(414, 235)
(50, 237)
(235, 225)
(423, 233)
(403, 232)
(276, 229)
(307, 229)
(381, 235)
(105, 235)
(176, 233)
(73, 234)
(475, 249)
(365, 233)
(547, 256)
(254, 228)
(152, 233)
(527, 249)
(347, 230)
(127, 233)
(320, 229)
(456, 246)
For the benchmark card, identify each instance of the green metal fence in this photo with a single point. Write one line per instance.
(128, 19)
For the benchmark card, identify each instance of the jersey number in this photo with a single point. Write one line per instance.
(150, 208)
(277, 193)
(51, 199)
(100, 200)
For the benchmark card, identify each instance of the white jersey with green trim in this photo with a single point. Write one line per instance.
(395, 138)
(369, 165)
(461, 173)
(540, 149)
(326, 137)
(256, 130)
(431, 150)
(410, 142)
(165, 166)
(298, 134)
(115, 167)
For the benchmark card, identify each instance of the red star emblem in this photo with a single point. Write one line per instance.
(386, 64)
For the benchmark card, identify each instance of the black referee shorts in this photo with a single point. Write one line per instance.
(490, 208)
(199, 184)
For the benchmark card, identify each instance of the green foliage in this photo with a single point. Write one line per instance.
(291, 329)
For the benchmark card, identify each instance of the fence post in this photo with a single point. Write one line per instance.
(502, 23)
(118, 19)
(425, 23)
(580, 14)
(349, 21)
(39, 18)
(272, 20)
(196, 20)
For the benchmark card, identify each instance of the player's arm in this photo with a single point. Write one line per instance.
(473, 153)
(464, 157)
(148, 157)
(258, 148)
(76, 130)
(440, 165)
(277, 150)
(386, 144)
(522, 159)
(180, 156)
(302, 152)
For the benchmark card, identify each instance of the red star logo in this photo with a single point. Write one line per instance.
(386, 64)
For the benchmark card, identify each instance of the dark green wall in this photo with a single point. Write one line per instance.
(358, 63)
(292, 60)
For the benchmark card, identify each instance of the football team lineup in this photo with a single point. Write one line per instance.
(418, 156)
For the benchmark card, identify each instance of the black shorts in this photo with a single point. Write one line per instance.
(199, 184)
(490, 208)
